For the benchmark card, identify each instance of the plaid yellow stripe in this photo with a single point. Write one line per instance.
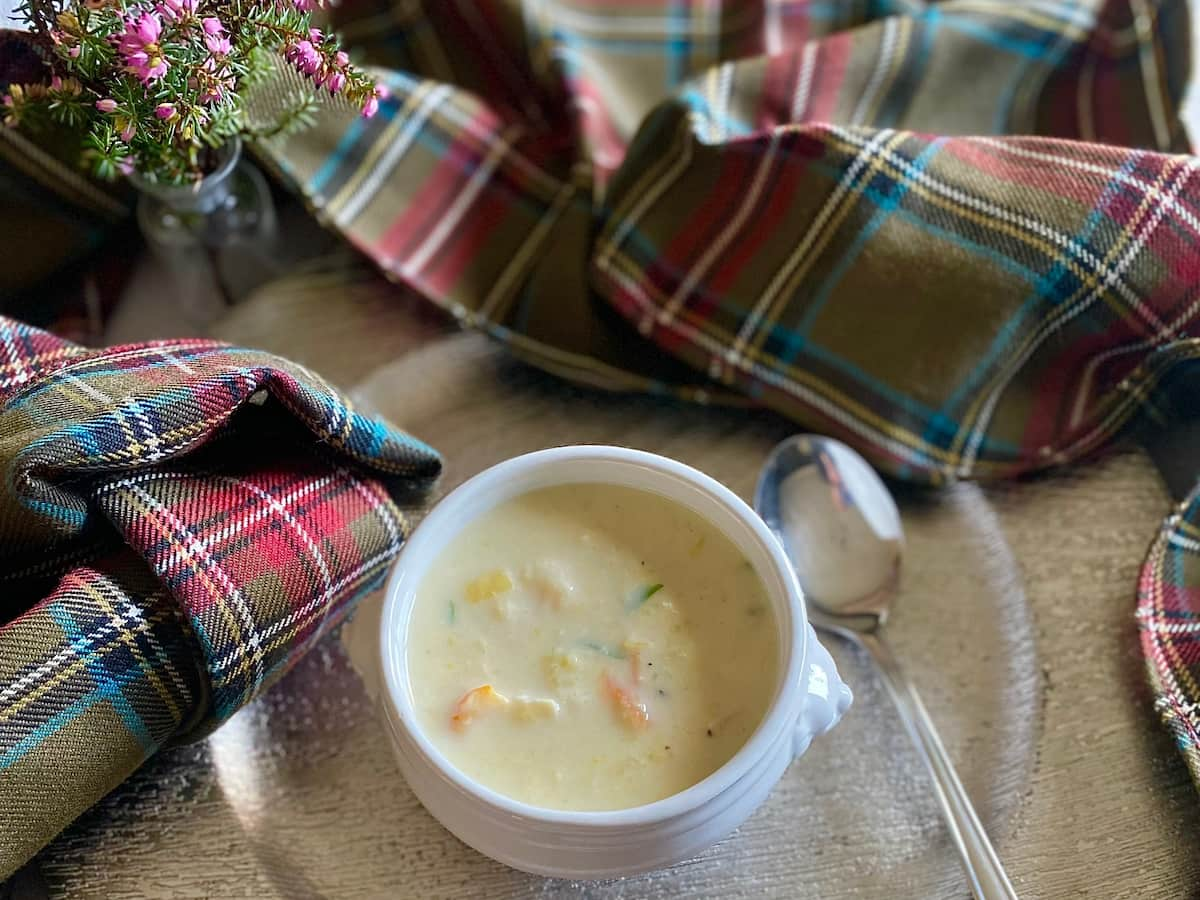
(180, 521)
(813, 206)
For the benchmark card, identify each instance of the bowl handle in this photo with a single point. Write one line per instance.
(826, 696)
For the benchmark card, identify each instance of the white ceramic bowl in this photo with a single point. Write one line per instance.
(809, 698)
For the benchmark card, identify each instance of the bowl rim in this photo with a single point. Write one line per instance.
(400, 594)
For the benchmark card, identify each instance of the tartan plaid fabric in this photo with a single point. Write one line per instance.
(778, 197)
(179, 522)
(817, 207)
(1169, 619)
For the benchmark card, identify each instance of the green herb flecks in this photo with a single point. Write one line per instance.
(606, 649)
(451, 614)
(641, 595)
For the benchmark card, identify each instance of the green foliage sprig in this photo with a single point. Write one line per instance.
(157, 85)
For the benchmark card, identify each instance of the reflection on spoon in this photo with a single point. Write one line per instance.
(841, 529)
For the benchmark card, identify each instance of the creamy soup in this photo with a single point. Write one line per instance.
(591, 647)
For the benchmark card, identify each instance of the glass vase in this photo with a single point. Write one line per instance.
(216, 239)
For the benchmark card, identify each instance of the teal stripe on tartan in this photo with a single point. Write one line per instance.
(413, 443)
(103, 691)
(796, 340)
(1061, 46)
(53, 381)
(939, 423)
(1032, 49)
(60, 720)
(647, 250)
(73, 517)
(678, 45)
(698, 103)
(832, 12)
(885, 202)
(108, 687)
(397, 82)
(376, 435)
(1042, 292)
(1002, 260)
(83, 435)
(333, 161)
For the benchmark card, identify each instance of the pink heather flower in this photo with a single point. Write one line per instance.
(334, 82)
(164, 111)
(13, 105)
(139, 46)
(382, 91)
(214, 36)
(125, 165)
(372, 105)
(314, 35)
(304, 56)
(74, 52)
(176, 10)
(106, 105)
(214, 81)
(341, 59)
(127, 133)
(305, 5)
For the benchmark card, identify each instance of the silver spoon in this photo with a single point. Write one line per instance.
(841, 529)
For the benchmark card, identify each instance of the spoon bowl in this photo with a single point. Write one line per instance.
(837, 523)
(840, 528)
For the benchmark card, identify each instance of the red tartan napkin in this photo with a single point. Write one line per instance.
(179, 522)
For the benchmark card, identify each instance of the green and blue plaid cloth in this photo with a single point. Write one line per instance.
(179, 522)
(818, 206)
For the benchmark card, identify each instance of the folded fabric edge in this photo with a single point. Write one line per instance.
(1168, 609)
(196, 409)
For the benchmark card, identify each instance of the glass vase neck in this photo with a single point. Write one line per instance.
(204, 195)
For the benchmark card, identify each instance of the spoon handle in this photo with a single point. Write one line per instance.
(983, 867)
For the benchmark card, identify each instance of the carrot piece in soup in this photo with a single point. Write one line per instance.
(474, 702)
(625, 705)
